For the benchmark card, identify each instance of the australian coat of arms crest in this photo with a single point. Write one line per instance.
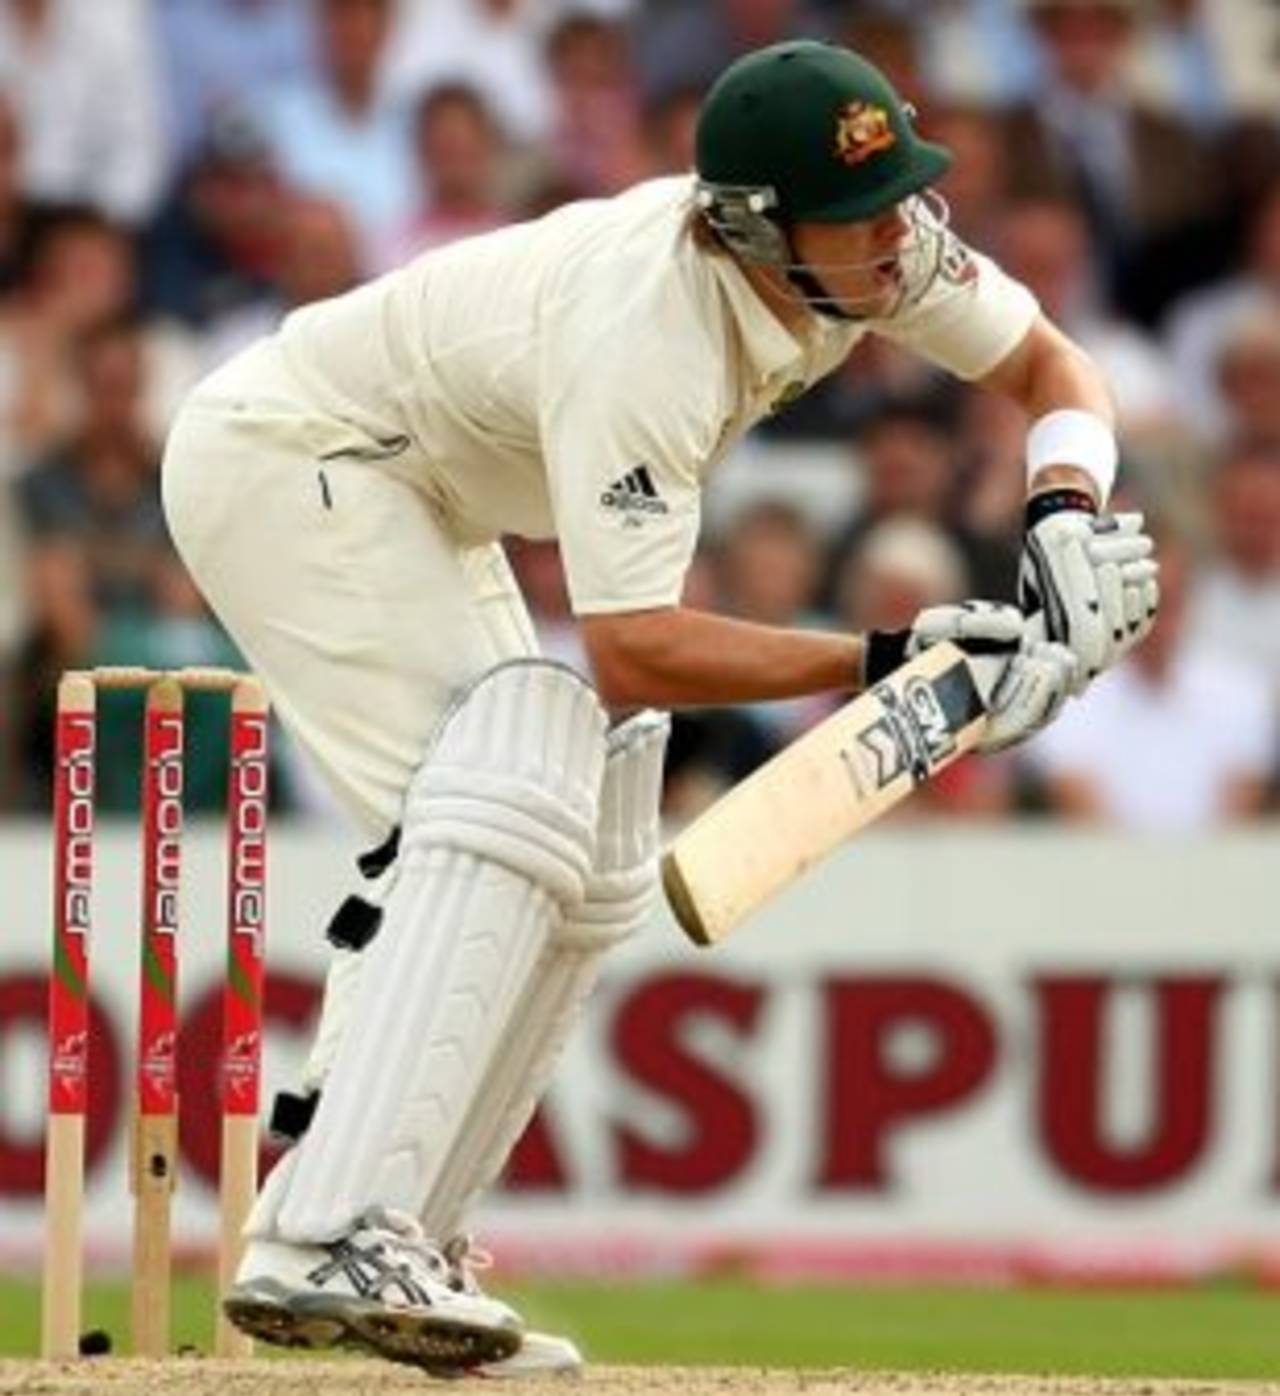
(861, 131)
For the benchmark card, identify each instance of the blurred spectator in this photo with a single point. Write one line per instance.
(1249, 380)
(710, 751)
(220, 54)
(597, 139)
(898, 567)
(85, 80)
(769, 564)
(495, 46)
(1202, 321)
(1177, 739)
(80, 273)
(671, 123)
(459, 150)
(890, 42)
(216, 245)
(1236, 603)
(14, 220)
(97, 536)
(1141, 176)
(687, 43)
(912, 467)
(1209, 58)
(92, 506)
(1172, 63)
(991, 445)
(1044, 243)
(974, 187)
(536, 563)
(338, 133)
(16, 211)
(978, 51)
(319, 258)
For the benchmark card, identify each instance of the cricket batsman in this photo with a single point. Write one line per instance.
(339, 491)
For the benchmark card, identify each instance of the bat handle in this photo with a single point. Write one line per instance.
(988, 669)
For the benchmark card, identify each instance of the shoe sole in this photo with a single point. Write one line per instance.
(440, 1345)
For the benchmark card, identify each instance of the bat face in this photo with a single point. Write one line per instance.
(836, 779)
(917, 731)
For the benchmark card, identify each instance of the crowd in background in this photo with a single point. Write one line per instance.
(176, 174)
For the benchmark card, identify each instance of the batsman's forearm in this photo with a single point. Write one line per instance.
(685, 658)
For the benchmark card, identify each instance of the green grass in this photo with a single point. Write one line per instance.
(1223, 1331)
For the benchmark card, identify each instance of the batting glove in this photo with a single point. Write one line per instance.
(1024, 678)
(1093, 579)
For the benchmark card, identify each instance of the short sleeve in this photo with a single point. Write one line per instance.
(972, 316)
(624, 454)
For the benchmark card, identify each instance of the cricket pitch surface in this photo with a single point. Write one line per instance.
(195, 1376)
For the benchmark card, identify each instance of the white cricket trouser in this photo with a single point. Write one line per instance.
(337, 581)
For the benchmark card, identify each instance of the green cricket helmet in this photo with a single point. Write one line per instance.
(805, 132)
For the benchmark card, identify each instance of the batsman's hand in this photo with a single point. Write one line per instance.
(1093, 578)
(1024, 678)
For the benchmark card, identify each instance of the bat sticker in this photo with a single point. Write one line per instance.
(917, 730)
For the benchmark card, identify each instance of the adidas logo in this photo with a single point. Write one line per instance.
(635, 493)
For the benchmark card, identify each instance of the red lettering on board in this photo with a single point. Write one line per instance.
(868, 1095)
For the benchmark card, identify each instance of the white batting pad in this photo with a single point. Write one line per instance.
(618, 895)
(341, 988)
(498, 838)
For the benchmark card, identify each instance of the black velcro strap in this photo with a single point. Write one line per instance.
(988, 647)
(354, 924)
(291, 1115)
(377, 860)
(886, 651)
(1047, 502)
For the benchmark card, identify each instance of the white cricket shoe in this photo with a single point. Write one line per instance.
(540, 1354)
(383, 1288)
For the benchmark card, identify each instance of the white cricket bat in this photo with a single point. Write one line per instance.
(833, 781)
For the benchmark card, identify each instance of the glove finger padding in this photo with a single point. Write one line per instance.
(976, 626)
(1135, 608)
(1141, 602)
(1127, 586)
(1030, 695)
(1111, 589)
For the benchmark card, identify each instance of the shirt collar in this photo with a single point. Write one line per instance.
(770, 347)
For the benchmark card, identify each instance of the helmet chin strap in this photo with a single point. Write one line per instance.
(816, 296)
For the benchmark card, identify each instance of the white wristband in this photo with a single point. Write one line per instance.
(1071, 436)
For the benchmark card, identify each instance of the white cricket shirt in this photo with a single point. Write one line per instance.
(576, 377)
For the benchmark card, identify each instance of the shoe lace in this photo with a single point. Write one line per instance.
(410, 1237)
(464, 1258)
